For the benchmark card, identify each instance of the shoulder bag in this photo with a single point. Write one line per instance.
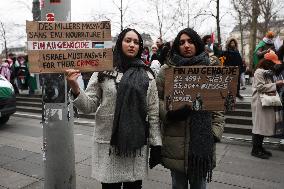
(270, 99)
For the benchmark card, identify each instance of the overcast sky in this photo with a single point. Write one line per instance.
(139, 14)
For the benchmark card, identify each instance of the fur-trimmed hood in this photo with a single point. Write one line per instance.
(229, 41)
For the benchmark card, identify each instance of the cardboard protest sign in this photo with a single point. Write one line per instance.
(54, 47)
(210, 88)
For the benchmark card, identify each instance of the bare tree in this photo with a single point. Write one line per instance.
(253, 28)
(123, 9)
(11, 32)
(259, 14)
(186, 12)
(269, 9)
(167, 21)
(24, 4)
(4, 38)
(218, 20)
(216, 16)
(241, 20)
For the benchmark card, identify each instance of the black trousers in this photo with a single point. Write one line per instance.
(126, 185)
(257, 141)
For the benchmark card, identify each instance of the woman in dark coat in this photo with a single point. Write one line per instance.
(233, 58)
(183, 143)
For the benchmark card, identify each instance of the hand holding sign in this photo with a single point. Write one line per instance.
(71, 77)
(179, 114)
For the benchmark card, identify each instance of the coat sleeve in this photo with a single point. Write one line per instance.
(153, 114)
(260, 83)
(89, 100)
(161, 91)
(218, 124)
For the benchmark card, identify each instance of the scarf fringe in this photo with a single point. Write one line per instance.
(200, 168)
(114, 150)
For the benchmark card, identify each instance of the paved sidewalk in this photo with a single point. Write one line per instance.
(21, 165)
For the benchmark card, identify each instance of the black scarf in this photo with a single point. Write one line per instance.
(200, 160)
(201, 59)
(130, 128)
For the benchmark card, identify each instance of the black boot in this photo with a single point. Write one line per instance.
(259, 154)
(257, 147)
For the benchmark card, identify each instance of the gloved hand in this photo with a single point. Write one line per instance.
(179, 114)
(155, 156)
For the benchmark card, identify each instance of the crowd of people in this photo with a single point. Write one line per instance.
(131, 117)
(16, 70)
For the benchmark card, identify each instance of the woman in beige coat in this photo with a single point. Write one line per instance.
(127, 115)
(263, 118)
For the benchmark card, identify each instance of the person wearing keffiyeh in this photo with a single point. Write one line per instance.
(263, 47)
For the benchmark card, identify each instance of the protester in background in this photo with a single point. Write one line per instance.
(187, 134)
(155, 65)
(21, 73)
(127, 114)
(13, 79)
(160, 45)
(5, 69)
(207, 40)
(164, 53)
(217, 48)
(146, 56)
(31, 80)
(214, 61)
(263, 47)
(263, 118)
(154, 49)
(233, 58)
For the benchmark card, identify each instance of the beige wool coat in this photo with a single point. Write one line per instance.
(100, 97)
(263, 118)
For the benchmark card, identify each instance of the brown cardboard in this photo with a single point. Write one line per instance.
(54, 47)
(214, 87)
(68, 31)
(59, 61)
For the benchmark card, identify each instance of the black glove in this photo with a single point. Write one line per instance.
(155, 156)
(179, 114)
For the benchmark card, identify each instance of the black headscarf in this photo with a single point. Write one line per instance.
(130, 128)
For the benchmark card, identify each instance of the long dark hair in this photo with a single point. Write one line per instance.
(120, 61)
(198, 43)
(265, 64)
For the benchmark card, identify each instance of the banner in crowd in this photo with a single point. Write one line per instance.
(204, 88)
(56, 46)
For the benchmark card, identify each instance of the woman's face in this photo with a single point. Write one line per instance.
(130, 44)
(232, 44)
(186, 47)
(154, 50)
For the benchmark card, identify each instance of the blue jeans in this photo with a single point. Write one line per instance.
(179, 181)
